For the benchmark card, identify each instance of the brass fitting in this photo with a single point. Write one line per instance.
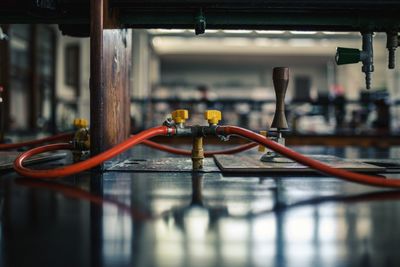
(197, 153)
(81, 140)
(81, 123)
(261, 148)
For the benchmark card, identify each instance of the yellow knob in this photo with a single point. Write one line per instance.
(260, 147)
(180, 115)
(213, 116)
(81, 123)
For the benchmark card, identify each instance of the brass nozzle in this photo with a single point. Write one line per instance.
(197, 153)
(81, 140)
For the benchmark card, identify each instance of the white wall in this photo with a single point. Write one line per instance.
(67, 93)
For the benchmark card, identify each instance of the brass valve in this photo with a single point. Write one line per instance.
(180, 115)
(81, 140)
(213, 116)
(260, 147)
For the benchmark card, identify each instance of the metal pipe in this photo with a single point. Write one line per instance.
(197, 153)
(392, 42)
(367, 57)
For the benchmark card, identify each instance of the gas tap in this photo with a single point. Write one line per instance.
(354, 55)
(280, 77)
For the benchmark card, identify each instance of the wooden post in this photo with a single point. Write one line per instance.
(5, 76)
(110, 53)
(33, 94)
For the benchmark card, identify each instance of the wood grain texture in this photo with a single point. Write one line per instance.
(116, 80)
(110, 58)
(96, 89)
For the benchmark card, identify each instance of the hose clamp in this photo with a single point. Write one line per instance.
(170, 131)
(221, 134)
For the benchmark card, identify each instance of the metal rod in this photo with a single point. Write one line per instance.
(197, 154)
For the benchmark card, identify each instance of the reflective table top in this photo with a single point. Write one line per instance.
(203, 219)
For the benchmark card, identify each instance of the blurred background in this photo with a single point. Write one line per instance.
(45, 80)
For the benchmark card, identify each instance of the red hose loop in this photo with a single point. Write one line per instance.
(317, 165)
(206, 153)
(163, 130)
(58, 137)
(83, 165)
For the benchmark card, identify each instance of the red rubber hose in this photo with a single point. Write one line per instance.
(58, 137)
(206, 153)
(69, 136)
(87, 164)
(316, 165)
(83, 165)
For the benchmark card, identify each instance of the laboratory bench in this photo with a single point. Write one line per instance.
(157, 218)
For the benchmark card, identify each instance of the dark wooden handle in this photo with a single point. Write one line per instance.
(280, 77)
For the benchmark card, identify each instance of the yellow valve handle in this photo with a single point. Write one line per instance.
(213, 116)
(260, 147)
(81, 123)
(180, 115)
